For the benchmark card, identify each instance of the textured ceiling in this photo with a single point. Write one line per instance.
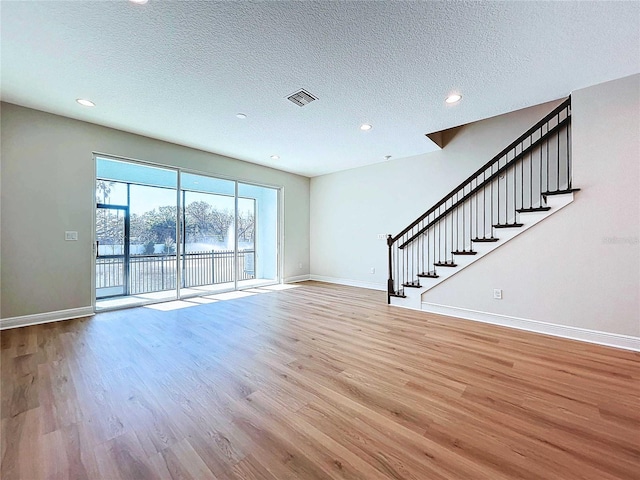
(180, 71)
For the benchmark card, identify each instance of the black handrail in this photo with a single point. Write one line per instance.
(506, 150)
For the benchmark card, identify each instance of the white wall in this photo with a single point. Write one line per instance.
(47, 188)
(580, 267)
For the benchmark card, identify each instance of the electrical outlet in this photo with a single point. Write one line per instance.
(71, 236)
(300, 266)
(372, 270)
(497, 294)
(381, 236)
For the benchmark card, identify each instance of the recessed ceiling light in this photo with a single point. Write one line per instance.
(85, 103)
(275, 157)
(365, 127)
(241, 115)
(453, 98)
(139, 2)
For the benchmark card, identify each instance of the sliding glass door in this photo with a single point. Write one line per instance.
(112, 253)
(208, 234)
(163, 234)
(136, 258)
(257, 235)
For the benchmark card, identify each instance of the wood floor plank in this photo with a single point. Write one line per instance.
(316, 381)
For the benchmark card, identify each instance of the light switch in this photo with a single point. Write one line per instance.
(70, 236)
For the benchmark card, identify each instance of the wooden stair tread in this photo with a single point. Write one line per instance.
(533, 209)
(508, 225)
(560, 192)
(444, 264)
(432, 274)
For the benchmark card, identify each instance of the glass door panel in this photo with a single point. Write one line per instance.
(246, 239)
(257, 235)
(112, 254)
(208, 235)
(153, 240)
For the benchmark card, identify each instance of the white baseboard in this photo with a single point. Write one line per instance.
(37, 318)
(297, 278)
(574, 333)
(350, 283)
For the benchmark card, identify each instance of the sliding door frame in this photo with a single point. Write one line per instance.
(180, 220)
(126, 249)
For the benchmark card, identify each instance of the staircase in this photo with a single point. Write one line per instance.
(521, 186)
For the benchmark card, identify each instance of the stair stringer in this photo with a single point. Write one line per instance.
(528, 219)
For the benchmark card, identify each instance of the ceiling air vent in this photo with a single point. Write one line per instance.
(302, 98)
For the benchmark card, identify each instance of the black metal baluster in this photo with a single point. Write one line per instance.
(445, 235)
(410, 266)
(413, 263)
(484, 204)
(521, 184)
(531, 179)
(439, 240)
(506, 191)
(428, 251)
(404, 266)
(515, 186)
(475, 197)
(492, 199)
(452, 230)
(568, 156)
(434, 259)
(498, 189)
(464, 225)
(470, 209)
(558, 160)
(457, 241)
(416, 270)
(547, 142)
(540, 178)
(425, 244)
(421, 247)
(401, 277)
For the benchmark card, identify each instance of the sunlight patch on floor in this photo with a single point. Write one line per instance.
(280, 286)
(168, 306)
(201, 300)
(230, 295)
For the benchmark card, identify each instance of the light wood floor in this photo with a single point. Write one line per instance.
(315, 382)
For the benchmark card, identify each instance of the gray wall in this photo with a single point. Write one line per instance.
(580, 267)
(47, 188)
